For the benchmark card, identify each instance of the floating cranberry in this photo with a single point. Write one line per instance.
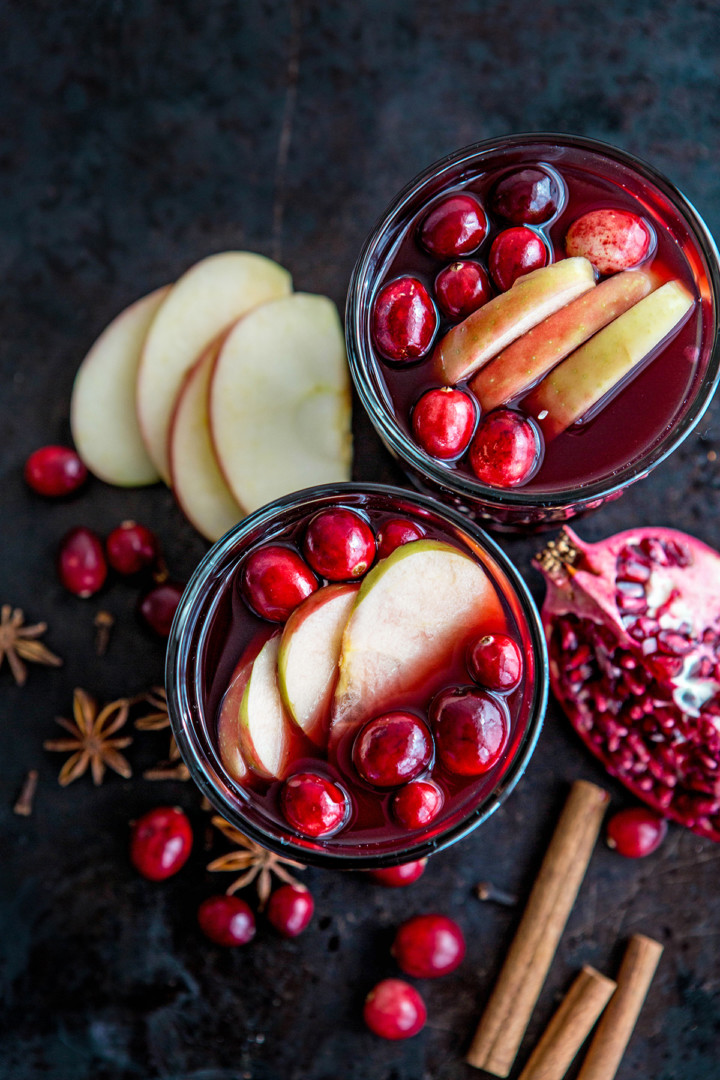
(392, 749)
(611, 239)
(443, 422)
(427, 946)
(226, 920)
(396, 532)
(515, 252)
(454, 226)
(131, 548)
(527, 197)
(461, 288)
(290, 909)
(471, 729)
(55, 471)
(506, 450)
(314, 805)
(397, 876)
(636, 832)
(394, 1010)
(494, 661)
(158, 606)
(339, 544)
(161, 842)
(276, 579)
(81, 562)
(417, 804)
(404, 320)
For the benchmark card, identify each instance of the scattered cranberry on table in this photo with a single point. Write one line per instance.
(427, 946)
(471, 729)
(314, 805)
(417, 804)
(506, 449)
(494, 661)
(526, 197)
(131, 547)
(404, 320)
(81, 564)
(636, 832)
(398, 876)
(443, 422)
(461, 288)
(161, 842)
(290, 909)
(394, 533)
(394, 1010)
(456, 225)
(55, 471)
(275, 580)
(392, 749)
(339, 544)
(226, 920)
(158, 606)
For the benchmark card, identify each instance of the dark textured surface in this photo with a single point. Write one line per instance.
(136, 137)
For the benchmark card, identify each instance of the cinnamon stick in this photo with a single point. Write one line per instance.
(521, 979)
(639, 964)
(570, 1026)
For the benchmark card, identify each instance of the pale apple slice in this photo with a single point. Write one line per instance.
(197, 482)
(309, 654)
(414, 609)
(267, 734)
(280, 401)
(206, 300)
(229, 720)
(491, 328)
(102, 408)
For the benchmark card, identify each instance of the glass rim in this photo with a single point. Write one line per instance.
(185, 645)
(459, 484)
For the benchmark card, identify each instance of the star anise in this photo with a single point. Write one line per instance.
(156, 698)
(172, 769)
(92, 745)
(17, 643)
(256, 862)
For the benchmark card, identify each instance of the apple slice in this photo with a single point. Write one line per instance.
(229, 720)
(206, 300)
(197, 482)
(102, 408)
(524, 362)
(309, 654)
(268, 742)
(496, 324)
(414, 609)
(280, 401)
(608, 360)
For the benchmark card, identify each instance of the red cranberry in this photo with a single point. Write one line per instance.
(471, 729)
(131, 548)
(611, 239)
(494, 661)
(81, 562)
(417, 804)
(526, 197)
(313, 805)
(54, 471)
(396, 532)
(276, 580)
(455, 226)
(506, 450)
(404, 320)
(226, 920)
(429, 945)
(394, 1010)
(392, 749)
(158, 606)
(443, 422)
(397, 876)
(461, 288)
(515, 252)
(161, 842)
(290, 909)
(636, 832)
(339, 544)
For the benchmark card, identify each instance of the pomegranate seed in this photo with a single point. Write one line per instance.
(527, 197)
(314, 805)
(226, 920)
(339, 544)
(81, 562)
(461, 288)
(636, 832)
(396, 532)
(611, 239)
(417, 804)
(290, 909)
(158, 606)
(161, 842)
(131, 548)
(55, 471)
(494, 661)
(443, 422)
(275, 580)
(427, 946)
(454, 226)
(404, 320)
(392, 749)
(398, 876)
(471, 729)
(515, 252)
(506, 450)
(394, 1010)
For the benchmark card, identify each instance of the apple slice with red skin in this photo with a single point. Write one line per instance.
(269, 741)
(525, 362)
(229, 720)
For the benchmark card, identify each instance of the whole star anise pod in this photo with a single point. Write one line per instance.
(257, 862)
(91, 745)
(18, 643)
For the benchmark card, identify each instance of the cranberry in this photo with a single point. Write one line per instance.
(397, 876)
(81, 562)
(290, 909)
(55, 471)
(392, 749)
(443, 422)
(429, 945)
(396, 532)
(494, 661)
(131, 548)
(611, 239)
(471, 729)
(636, 832)
(161, 842)
(461, 288)
(158, 606)
(527, 197)
(314, 805)
(226, 920)
(276, 579)
(394, 1010)
(417, 804)
(339, 544)
(506, 450)
(455, 226)
(404, 320)
(515, 252)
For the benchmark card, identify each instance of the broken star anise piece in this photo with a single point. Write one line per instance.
(257, 862)
(92, 745)
(156, 698)
(172, 769)
(18, 643)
